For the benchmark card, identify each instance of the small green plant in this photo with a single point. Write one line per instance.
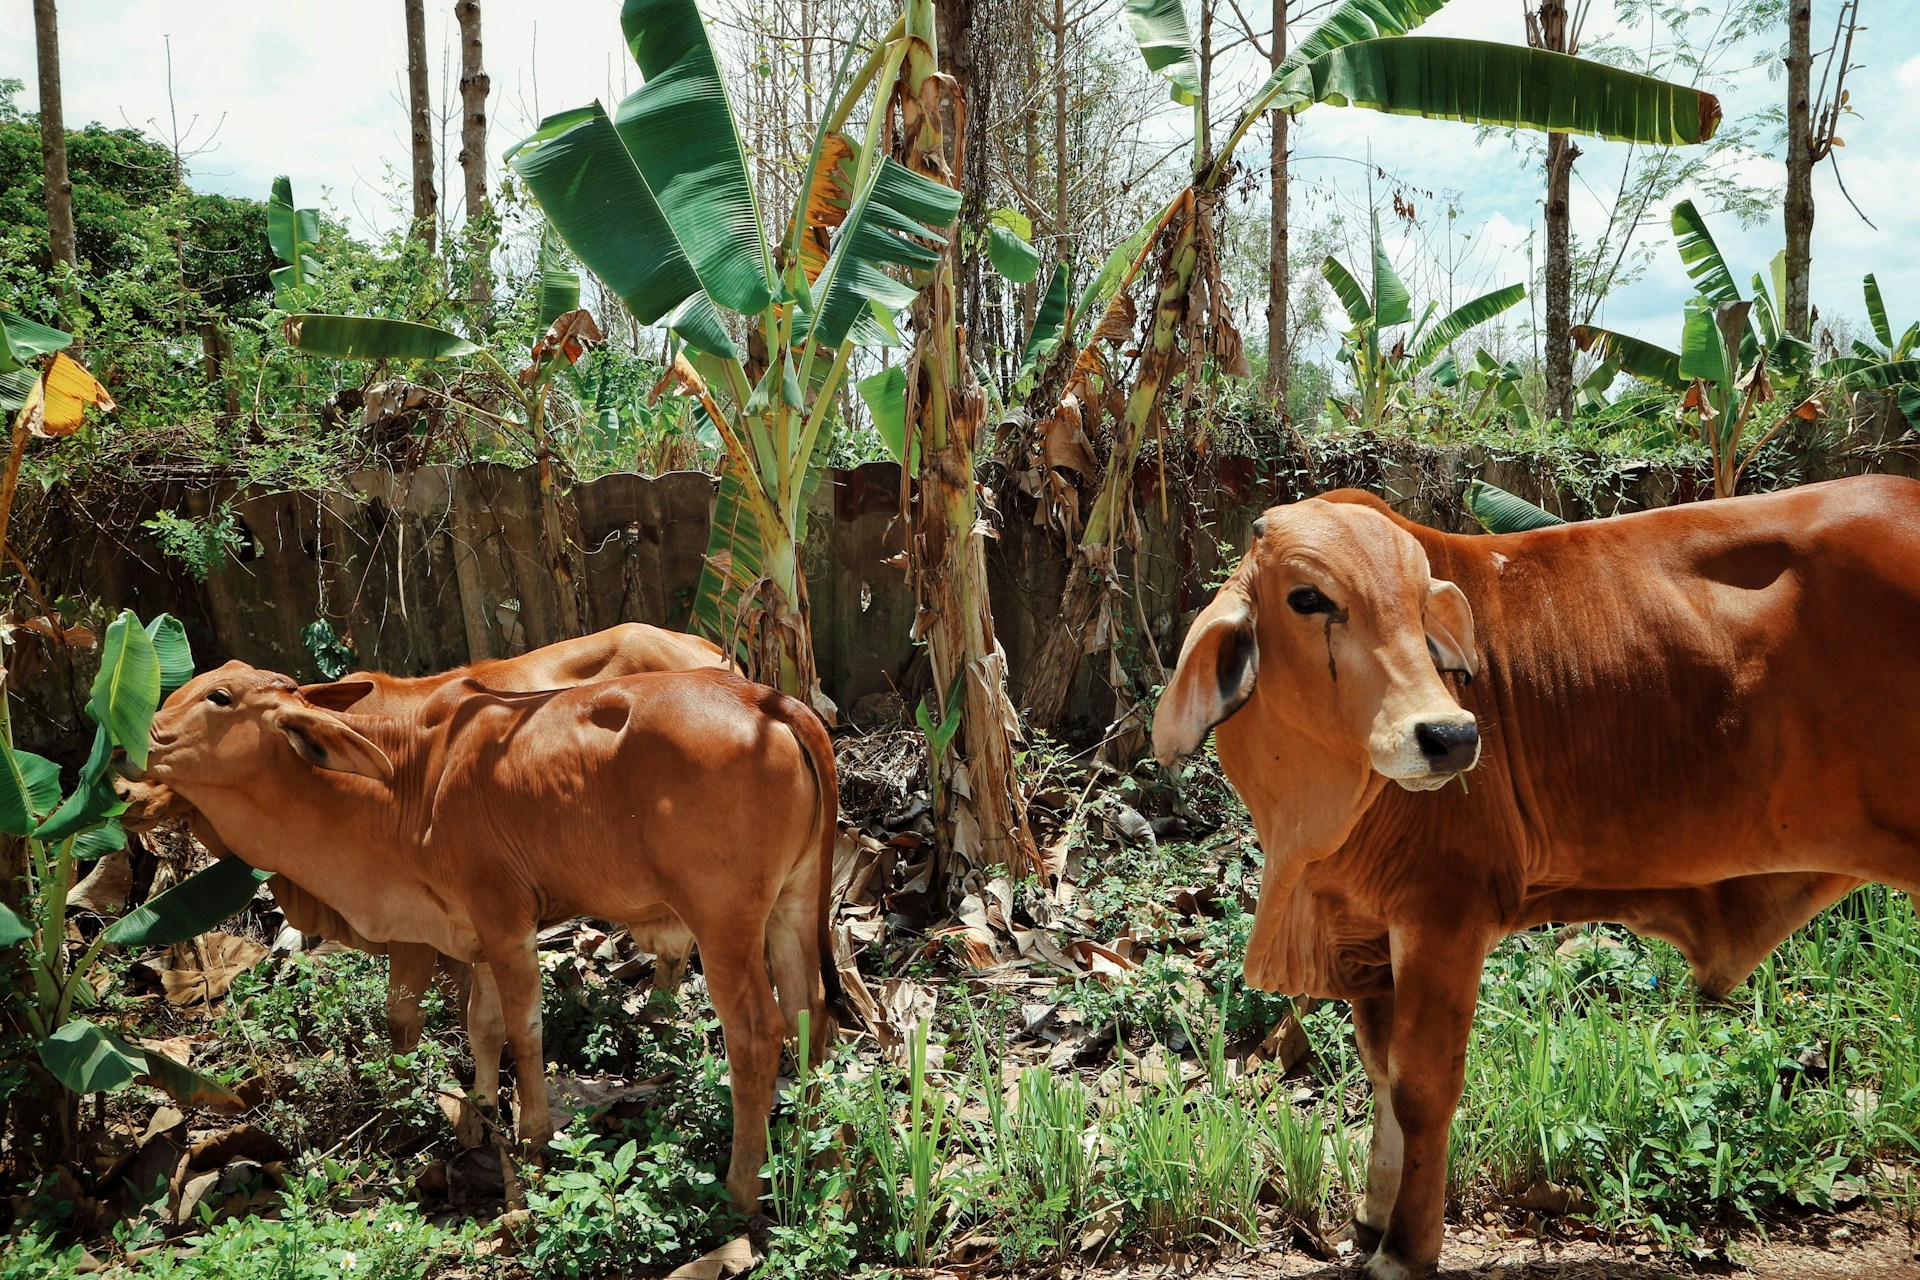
(203, 544)
(332, 655)
(606, 1208)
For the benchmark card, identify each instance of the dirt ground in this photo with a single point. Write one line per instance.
(1839, 1247)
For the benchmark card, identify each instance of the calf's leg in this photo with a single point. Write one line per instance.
(736, 970)
(1436, 980)
(410, 969)
(1373, 1033)
(487, 1034)
(516, 975)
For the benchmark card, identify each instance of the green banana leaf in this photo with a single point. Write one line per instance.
(1877, 310)
(1050, 318)
(1351, 23)
(579, 171)
(372, 338)
(293, 234)
(1458, 321)
(23, 341)
(1010, 248)
(1352, 296)
(1705, 351)
(1644, 360)
(170, 647)
(126, 690)
(559, 284)
(885, 227)
(29, 790)
(1392, 304)
(12, 928)
(885, 394)
(1705, 267)
(679, 129)
(90, 1059)
(1100, 290)
(191, 907)
(1160, 29)
(1482, 82)
(92, 800)
(1501, 512)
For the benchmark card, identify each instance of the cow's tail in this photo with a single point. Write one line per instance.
(811, 733)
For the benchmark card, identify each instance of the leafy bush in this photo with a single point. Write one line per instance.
(604, 1208)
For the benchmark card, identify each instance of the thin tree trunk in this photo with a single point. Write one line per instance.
(53, 137)
(982, 815)
(1061, 214)
(1279, 353)
(1799, 207)
(1547, 28)
(474, 86)
(426, 200)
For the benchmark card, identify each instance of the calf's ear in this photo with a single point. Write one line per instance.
(1449, 626)
(1218, 665)
(338, 695)
(325, 743)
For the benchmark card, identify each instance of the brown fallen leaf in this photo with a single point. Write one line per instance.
(733, 1258)
(224, 957)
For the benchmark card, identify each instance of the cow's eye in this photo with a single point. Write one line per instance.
(1306, 600)
(220, 698)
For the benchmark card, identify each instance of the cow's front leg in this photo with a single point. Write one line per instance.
(487, 1035)
(1373, 1033)
(1436, 979)
(409, 970)
(516, 975)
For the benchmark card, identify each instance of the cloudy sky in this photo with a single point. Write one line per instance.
(313, 88)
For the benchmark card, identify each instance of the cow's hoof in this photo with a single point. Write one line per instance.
(760, 1234)
(1366, 1238)
(1383, 1266)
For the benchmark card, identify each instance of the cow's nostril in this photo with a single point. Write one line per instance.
(1448, 748)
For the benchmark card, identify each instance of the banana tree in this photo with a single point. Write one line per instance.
(656, 199)
(1486, 386)
(1734, 355)
(1382, 373)
(73, 1053)
(1360, 55)
(1891, 367)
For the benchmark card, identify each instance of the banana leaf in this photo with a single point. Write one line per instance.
(1877, 310)
(1501, 512)
(12, 928)
(126, 690)
(885, 394)
(1705, 266)
(372, 338)
(1482, 82)
(1644, 360)
(170, 647)
(559, 284)
(1457, 322)
(1009, 247)
(23, 341)
(191, 907)
(680, 130)
(29, 790)
(1051, 317)
(293, 234)
(1392, 304)
(1160, 29)
(1352, 296)
(898, 210)
(1351, 23)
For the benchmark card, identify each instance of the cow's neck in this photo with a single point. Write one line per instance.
(1304, 802)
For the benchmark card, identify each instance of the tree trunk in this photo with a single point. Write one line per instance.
(426, 200)
(981, 814)
(1547, 28)
(1279, 348)
(474, 86)
(53, 138)
(1062, 215)
(1799, 208)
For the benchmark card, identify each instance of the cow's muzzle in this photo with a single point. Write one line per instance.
(1448, 747)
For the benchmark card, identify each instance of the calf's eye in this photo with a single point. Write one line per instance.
(1306, 600)
(220, 698)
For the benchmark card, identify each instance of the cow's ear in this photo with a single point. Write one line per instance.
(326, 743)
(338, 695)
(1218, 665)
(1449, 625)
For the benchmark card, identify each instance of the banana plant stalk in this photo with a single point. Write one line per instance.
(982, 818)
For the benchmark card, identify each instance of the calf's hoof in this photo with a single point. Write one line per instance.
(1366, 1238)
(1384, 1266)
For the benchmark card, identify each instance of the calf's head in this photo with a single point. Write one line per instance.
(1330, 637)
(239, 729)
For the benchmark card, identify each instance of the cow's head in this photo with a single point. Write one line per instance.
(1333, 634)
(240, 728)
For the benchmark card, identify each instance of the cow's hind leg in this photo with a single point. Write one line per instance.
(736, 969)
(1436, 980)
(793, 953)
(1373, 1033)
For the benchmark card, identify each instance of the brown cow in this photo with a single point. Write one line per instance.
(626, 649)
(1680, 712)
(476, 818)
